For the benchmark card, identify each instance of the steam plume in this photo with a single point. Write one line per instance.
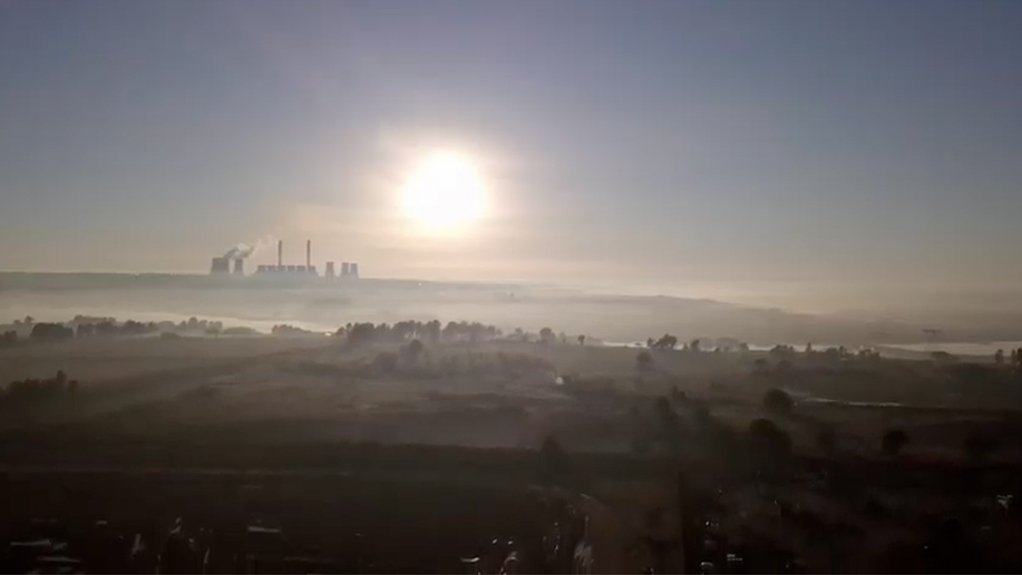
(243, 250)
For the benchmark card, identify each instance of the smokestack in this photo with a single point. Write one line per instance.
(280, 254)
(308, 254)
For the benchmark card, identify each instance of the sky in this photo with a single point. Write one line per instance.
(837, 150)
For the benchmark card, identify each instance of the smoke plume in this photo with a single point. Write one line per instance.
(243, 250)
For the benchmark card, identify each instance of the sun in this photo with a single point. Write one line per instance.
(444, 193)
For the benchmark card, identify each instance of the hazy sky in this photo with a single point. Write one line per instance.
(810, 143)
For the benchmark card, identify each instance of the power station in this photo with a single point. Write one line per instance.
(222, 266)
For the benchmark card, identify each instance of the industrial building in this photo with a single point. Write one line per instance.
(349, 270)
(221, 265)
(289, 270)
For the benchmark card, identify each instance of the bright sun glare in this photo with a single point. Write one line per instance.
(444, 192)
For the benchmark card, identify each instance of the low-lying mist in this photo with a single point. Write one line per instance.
(325, 306)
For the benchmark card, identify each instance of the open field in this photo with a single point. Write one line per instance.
(496, 394)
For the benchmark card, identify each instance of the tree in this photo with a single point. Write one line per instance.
(760, 365)
(431, 331)
(694, 345)
(413, 350)
(546, 336)
(51, 332)
(667, 341)
(644, 361)
(867, 353)
(999, 358)
(765, 437)
(778, 402)
(581, 340)
(361, 333)
(781, 351)
(978, 446)
(894, 440)
(385, 362)
(405, 330)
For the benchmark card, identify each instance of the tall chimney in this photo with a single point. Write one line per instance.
(280, 253)
(308, 254)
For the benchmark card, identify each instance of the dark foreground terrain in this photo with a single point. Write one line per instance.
(224, 521)
(414, 449)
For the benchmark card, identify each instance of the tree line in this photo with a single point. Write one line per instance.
(408, 330)
(87, 326)
(32, 392)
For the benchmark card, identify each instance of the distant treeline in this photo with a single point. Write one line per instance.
(88, 327)
(668, 341)
(430, 331)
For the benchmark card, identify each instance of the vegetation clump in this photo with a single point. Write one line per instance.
(778, 402)
(27, 394)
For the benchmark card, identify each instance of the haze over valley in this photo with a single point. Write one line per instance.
(562, 286)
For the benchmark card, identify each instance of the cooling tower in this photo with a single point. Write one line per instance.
(220, 266)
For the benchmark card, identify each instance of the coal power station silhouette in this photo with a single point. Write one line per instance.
(233, 264)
